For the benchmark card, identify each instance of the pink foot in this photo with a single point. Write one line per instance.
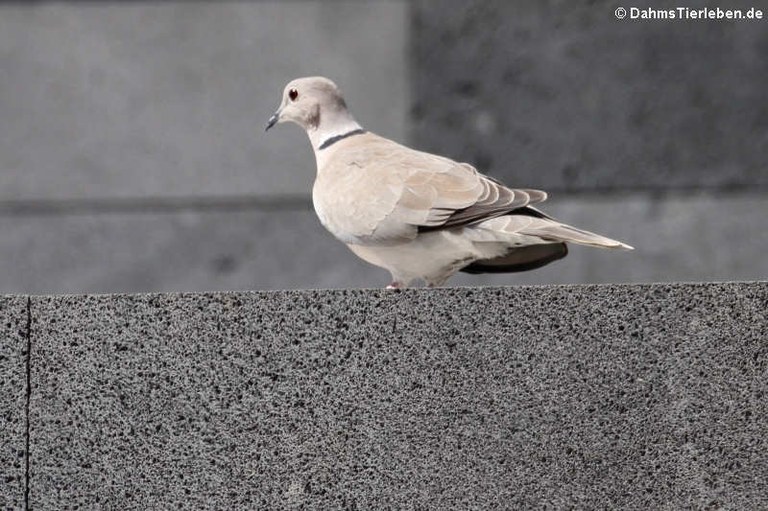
(395, 285)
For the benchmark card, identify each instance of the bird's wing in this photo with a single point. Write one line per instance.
(438, 193)
(458, 195)
(388, 191)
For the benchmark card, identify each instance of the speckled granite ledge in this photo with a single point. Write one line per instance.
(611, 396)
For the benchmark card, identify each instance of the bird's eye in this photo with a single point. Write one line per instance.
(293, 94)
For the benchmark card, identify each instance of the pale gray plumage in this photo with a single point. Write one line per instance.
(418, 215)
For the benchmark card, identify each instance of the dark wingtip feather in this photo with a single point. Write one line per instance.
(520, 259)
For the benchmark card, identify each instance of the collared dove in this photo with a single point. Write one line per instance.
(418, 215)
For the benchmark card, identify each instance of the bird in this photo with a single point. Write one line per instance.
(421, 216)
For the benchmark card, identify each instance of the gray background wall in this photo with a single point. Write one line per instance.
(133, 158)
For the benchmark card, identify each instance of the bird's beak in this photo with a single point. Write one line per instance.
(272, 120)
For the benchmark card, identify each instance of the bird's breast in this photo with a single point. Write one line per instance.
(337, 211)
(357, 210)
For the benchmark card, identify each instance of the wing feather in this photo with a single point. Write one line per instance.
(375, 190)
(457, 194)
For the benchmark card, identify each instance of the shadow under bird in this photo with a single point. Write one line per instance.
(418, 215)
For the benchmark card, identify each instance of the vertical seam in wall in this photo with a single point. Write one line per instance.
(29, 395)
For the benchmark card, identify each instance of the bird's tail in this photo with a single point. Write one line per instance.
(551, 230)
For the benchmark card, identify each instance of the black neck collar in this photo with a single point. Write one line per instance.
(330, 141)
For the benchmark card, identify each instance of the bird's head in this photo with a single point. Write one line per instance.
(309, 102)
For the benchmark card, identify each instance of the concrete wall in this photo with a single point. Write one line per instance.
(133, 158)
(596, 397)
(14, 355)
